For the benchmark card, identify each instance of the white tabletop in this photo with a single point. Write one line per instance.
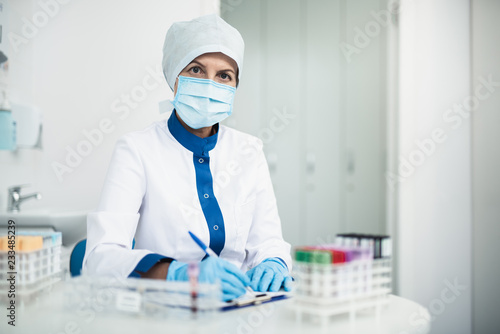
(48, 315)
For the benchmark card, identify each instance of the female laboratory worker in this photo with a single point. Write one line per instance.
(190, 173)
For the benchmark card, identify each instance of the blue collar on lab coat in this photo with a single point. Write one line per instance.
(199, 146)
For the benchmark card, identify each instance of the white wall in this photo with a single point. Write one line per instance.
(485, 167)
(18, 167)
(434, 219)
(85, 57)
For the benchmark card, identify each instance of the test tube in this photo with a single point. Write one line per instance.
(193, 273)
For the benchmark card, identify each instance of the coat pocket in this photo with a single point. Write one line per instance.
(244, 217)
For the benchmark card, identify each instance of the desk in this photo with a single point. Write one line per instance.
(48, 315)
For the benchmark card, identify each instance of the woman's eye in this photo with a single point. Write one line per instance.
(225, 76)
(195, 70)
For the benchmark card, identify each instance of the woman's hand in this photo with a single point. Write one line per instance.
(270, 275)
(232, 280)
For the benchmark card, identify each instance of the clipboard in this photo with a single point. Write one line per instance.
(255, 300)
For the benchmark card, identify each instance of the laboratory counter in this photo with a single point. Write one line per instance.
(48, 314)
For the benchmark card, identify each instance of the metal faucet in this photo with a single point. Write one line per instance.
(15, 198)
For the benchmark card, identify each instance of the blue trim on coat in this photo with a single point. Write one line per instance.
(199, 146)
(282, 261)
(146, 263)
(204, 181)
(209, 204)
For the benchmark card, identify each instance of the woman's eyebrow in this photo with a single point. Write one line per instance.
(197, 63)
(228, 70)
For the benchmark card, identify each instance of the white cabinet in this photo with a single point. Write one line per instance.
(322, 118)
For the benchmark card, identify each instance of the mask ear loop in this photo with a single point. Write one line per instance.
(167, 105)
(176, 85)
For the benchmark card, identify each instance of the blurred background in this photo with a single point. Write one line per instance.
(377, 117)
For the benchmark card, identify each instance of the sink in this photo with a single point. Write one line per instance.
(72, 224)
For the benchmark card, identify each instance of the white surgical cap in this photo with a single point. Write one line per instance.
(187, 40)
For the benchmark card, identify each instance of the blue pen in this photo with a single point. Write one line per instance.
(208, 251)
(200, 243)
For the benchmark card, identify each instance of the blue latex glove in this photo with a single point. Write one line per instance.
(270, 275)
(233, 281)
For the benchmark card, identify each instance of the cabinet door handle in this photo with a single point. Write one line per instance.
(272, 162)
(310, 163)
(351, 162)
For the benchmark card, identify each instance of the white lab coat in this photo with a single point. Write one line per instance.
(150, 194)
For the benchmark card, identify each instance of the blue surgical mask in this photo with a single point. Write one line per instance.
(202, 102)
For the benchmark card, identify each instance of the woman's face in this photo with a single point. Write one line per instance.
(215, 66)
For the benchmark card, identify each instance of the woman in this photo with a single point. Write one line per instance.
(190, 173)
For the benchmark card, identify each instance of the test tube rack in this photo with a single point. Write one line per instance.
(33, 271)
(325, 290)
(142, 297)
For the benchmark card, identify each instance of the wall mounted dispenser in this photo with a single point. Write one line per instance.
(7, 126)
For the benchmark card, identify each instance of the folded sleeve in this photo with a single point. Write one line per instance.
(265, 238)
(147, 262)
(111, 228)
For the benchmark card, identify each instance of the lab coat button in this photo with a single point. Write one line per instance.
(201, 160)
(216, 227)
(206, 195)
